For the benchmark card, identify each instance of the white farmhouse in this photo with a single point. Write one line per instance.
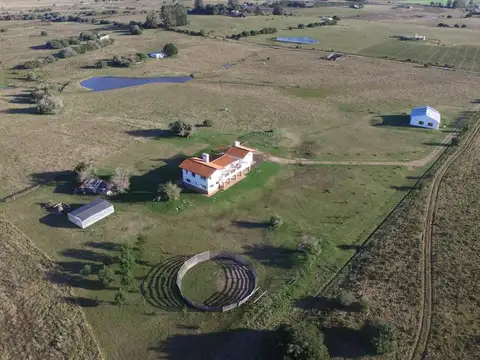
(208, 177)
(91, 213)
(425, 116)
(158, 55)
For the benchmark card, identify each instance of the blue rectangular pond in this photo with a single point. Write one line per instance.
(297, 40)
(103, 83)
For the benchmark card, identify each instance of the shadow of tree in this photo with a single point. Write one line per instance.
(104, 245)
(40, 47)
(401, 187)
(49, 176)
(68, 272)
(85, 254)
(323, 303)
(21, 111)
(151, 133)
(82, 301)
(250, 224)
(275, 256)
(22, 98)
(432, 143)
(159, 286)
(392, 120)
(347, 343)
(355, 247)
(239, 344)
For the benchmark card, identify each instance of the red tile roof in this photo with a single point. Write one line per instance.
(198, 166)
(237, 152)
(224, 160)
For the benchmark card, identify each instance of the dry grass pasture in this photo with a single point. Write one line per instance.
(40, 320)
(282, 100)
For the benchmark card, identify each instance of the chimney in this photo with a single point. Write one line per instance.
(205, 157)
(236, 143)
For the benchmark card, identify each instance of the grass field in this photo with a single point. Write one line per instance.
(39, 319)
(278, 99)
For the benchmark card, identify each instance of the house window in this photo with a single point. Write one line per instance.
(421, 123)
(188, 180)
(203, 178)
(211, 185)
(204, 187)
(193, 175)
(430, 124)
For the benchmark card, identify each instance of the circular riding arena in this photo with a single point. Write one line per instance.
(235, 286)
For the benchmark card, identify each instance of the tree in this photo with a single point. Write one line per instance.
(86, 270)
(106, 275)
(136, 30)
(169, 191)
(127, 279)
(170, 49)
(449, 3)
(66, 53)
(346, 299)
(278, 8)
(120, 298)
(301, 341)
(43, 33)
(83, 171)
(49, 105)
(101, 64)
(127, 258)
(198, 4)
(382, 337)
(275, 222)
(121, 180)
(455, 141)
(258, 11)
(208, 122)
(232, 4)
(153, 20)
(180, 128)
(140, 245)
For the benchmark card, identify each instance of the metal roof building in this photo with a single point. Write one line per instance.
(426, 117)
(91, 213)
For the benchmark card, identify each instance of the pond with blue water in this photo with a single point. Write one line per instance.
(297, 40)
(104, 83)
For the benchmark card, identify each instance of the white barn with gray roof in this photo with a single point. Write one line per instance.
(91, 213)
(426, 117)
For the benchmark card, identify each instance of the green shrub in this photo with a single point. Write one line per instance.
(245, 33)
(455, 141)
(168, 191)
(142, 56)
(301, 341)
(180, 128)
(50, 59)
(382, 337)
(86, 270)
(43, 33)
(170, 49)
(136, 30)
(101, 64)
(120, 298)
(33, 64)
(49, 105)
(67, 52)
(346, 299)
(2, 30)
(208, 123)
(275, 222)
(301, 26)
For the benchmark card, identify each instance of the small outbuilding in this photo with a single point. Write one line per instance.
(426, 117)
(91, 213)
(157, 55)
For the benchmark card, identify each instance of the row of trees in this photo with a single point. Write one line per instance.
(169, 16)
(46, 102)
(246, 33)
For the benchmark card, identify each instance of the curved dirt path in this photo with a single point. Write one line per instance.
(422, 335)
(411, 164)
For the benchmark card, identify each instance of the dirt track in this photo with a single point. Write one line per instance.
(411, 164)
(421, 338)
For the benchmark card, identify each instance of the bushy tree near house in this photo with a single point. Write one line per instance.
(121, 180)
(49, 105)
(170, 49)
(153, 20)
(180, 128)
(169, 191)
(106, 275)
(120, 298)
(136, 30)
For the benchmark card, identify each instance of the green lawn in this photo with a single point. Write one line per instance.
(336, 205)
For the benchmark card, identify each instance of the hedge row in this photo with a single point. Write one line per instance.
(253, 33)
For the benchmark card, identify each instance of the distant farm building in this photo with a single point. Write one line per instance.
(103, 36)
(426, 117)
(208, 177)
(415, 37)
(91, 213)
(335, 56)
(157, 55)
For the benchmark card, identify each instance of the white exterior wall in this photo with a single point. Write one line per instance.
(213, 182)
(92, 219)
(423, 121)
(194, 180)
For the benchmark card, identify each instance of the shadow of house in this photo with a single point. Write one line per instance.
(159, 287)
(145, 187)
(274, 256)
(220, 345)
(49, 176)
(392, 120)
(345, 342)
(57, 221)
(151, 133)
(251, 224)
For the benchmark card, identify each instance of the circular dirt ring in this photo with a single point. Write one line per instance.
(232, 280)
